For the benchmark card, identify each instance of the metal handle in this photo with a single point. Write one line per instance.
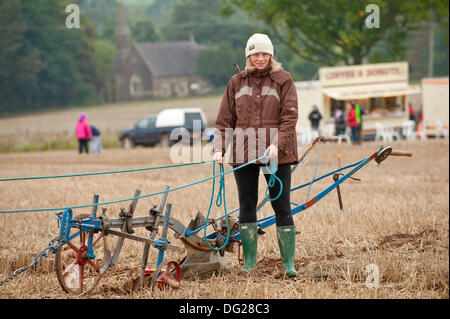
(330, 138)
(166, 221)
(400, 153)
(152, 236)
(308, 147)
(159, 261)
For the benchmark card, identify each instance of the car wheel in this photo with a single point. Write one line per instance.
(164, 141)
(127, 143)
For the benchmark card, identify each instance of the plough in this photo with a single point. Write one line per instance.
(86, 256)
(83, 255)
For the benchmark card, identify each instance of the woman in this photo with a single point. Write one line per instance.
(353, 122)
(339, 121)
(83, 133)
(260, 107)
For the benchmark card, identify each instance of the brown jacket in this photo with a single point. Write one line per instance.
(261, 104)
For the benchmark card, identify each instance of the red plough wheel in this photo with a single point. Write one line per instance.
(169, 278)
(76, 273)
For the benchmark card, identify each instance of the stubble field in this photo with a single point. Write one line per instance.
(396, 217)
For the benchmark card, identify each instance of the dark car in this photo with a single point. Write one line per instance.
(154, 129)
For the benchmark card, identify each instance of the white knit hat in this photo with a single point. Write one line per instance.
(258, 43)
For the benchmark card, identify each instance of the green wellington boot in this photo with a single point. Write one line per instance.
(286, 242)
(249, 240)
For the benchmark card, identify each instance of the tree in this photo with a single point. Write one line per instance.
(206, 24)
(100, 12)
(12, 32)
(332, 32)
(104, 52)
(42, 62)
(216, 65)
(144, 31)
(226, 36)
(159, 11)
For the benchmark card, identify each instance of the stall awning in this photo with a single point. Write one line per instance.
(370, 91)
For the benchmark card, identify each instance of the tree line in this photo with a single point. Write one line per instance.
(45, 64)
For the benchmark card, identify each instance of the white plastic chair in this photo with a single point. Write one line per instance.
(408, 130)
(328, 130)
(441, 130)
(345, 136)
(380, 133)
(305, 135)
(391, 133)
(385, 133)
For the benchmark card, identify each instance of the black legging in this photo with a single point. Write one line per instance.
(247, 184)
(83, 144)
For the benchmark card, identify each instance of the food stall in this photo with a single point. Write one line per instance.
(382, 90)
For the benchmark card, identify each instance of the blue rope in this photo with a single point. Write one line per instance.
(132, 198)
(326, 175)
(102, 173)
(314, 176)
(219, 201)
(221, 196)
(273, 178)
(271, 219)
(190, 232)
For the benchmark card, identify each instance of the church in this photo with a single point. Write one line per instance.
(153, 69)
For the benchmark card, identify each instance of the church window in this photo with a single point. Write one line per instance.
(136, 86)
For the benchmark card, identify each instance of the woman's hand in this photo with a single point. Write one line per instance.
(272, 150)
(218, 157)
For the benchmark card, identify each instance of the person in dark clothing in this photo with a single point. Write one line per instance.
(315, 117)
(95, 131)
(339, 121)
(96, 141)
(83, 146)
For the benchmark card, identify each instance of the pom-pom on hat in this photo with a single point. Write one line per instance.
(257, 43)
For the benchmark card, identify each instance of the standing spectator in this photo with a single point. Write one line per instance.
(339, 121)
(315, 118)
(359, 117)
(96, 142)
(412, 114)
(353, 122)
(83, 133)
(420, 115)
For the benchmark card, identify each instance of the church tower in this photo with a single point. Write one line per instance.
(123, 41)
(122, 36)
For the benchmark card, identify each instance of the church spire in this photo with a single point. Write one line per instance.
(122, 33)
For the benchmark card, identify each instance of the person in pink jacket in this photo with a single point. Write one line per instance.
(83, 133)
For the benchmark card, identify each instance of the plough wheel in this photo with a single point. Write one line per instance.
(171, 277)
(76, 273)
